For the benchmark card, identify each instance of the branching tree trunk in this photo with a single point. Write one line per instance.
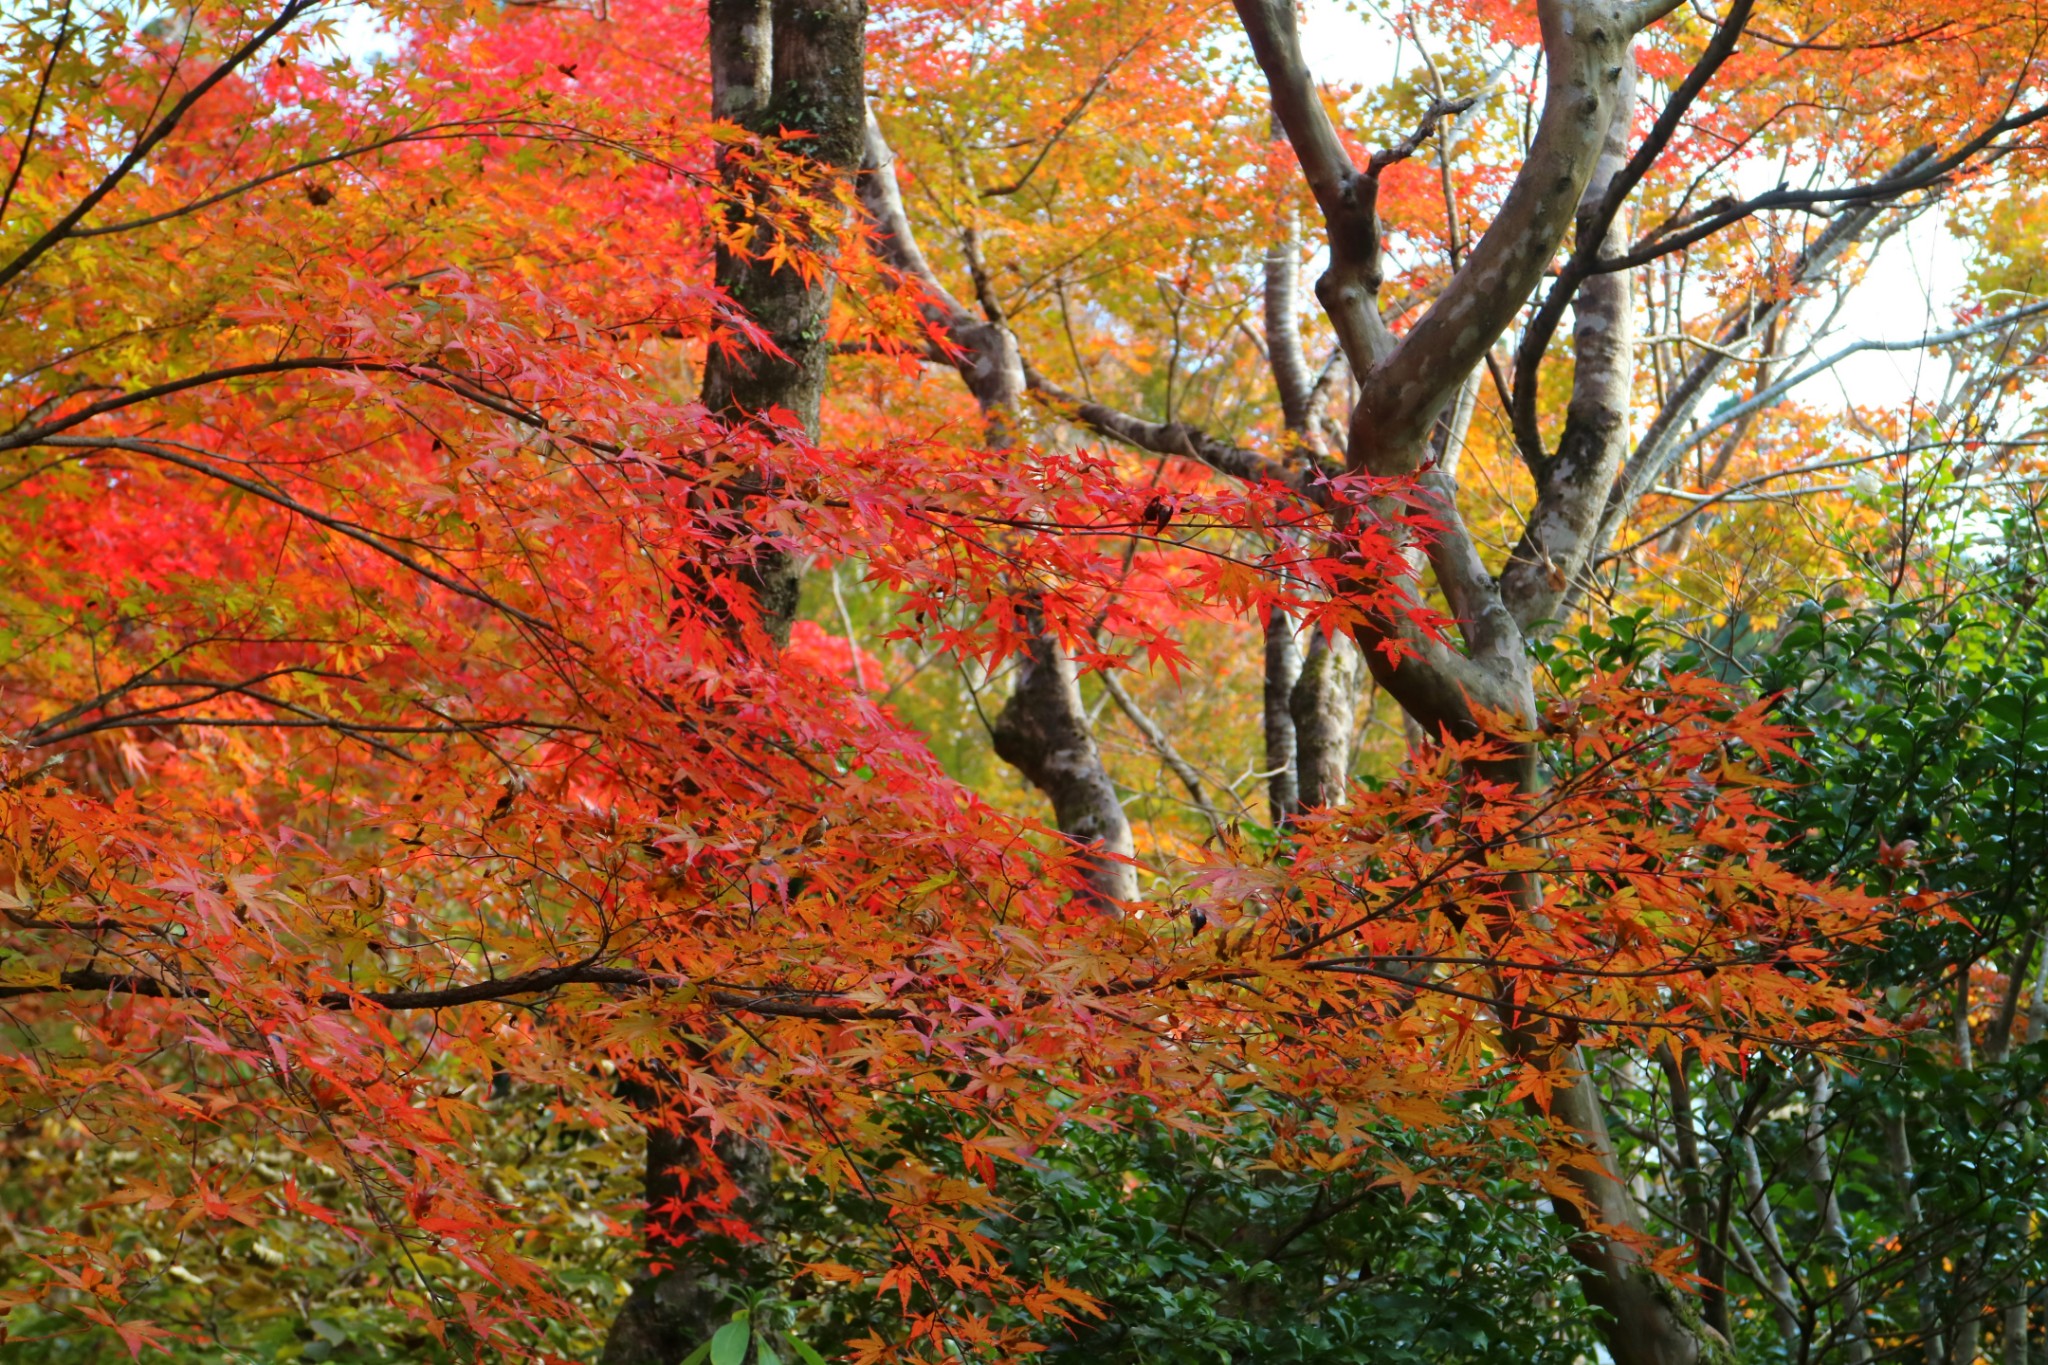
(1405, 385)
(1413, 394)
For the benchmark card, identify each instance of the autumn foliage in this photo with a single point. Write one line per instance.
(387, 719)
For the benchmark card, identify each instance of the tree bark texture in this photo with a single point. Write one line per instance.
(1324, 708)
(1282, 670)
(1404, 387)
(1282, 300)
(1573, 483)
(781, 65)
(1773, 1274)
(1043, 733)
(1899, 1155)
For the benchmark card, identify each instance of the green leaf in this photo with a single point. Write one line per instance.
(729, 1343)
(805, 1352)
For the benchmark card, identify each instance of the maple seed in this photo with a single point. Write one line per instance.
(1157, 514)
(567, 69)
(318, 195)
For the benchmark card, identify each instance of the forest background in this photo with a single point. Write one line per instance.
(929, 680)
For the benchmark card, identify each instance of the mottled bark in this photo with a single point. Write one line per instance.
(1282, 669)
(1043, 728)
(989, 365)
(1572, 484)
(1997, 1047)
(1899, 1156)
(1043, 733)
(2018, 1310)
(1284, 356)
(781, 65)
(1324, 707)
(1405, 385)
(1664, 439)
(1773, 1275)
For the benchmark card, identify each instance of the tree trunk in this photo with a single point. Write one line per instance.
(1324, 706)
(1043, 732)
(779, 65)
(1043, 728)
(673, 1311)
(1649, 1321)
(1899, 1154)
(1573, 483)
(1283, 669)
(1820, 1169)
(1282, 302)
(1777, 1280)
(774, 67)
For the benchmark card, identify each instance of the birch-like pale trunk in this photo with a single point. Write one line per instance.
(1774, 1277)
(1899, 1156)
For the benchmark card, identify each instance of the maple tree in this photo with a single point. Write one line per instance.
(411, 704)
